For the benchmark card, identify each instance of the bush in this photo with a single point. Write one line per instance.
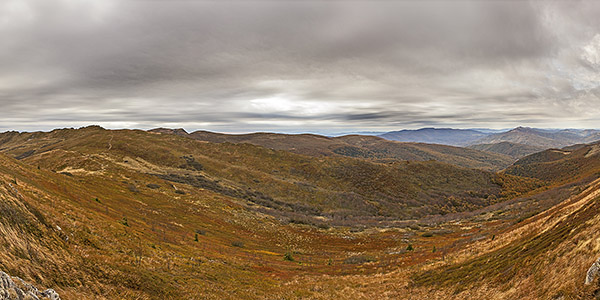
(414, 227)
(238, 244)
(132, 188)
(288, 256)
(427, 234)
(410, 247)
(323, 226)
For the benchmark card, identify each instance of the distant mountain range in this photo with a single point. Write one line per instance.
(515, 142)
(444, 136)
(542, 137)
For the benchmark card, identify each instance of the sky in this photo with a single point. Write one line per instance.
(299, 66)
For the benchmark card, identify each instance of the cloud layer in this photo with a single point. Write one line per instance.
(299, 66)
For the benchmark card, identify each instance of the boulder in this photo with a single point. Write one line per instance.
(15, 288)
(592, 272)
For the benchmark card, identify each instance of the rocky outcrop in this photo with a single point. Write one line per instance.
(593, 272)
(15, 288)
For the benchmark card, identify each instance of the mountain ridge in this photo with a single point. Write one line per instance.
(541, 137)
(360, 146)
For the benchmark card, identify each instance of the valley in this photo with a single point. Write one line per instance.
(95, 213)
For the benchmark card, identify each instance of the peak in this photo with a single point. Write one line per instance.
(178, 131)
(93, 127)
(521, 128)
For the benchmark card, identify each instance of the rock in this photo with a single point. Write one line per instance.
(15, 288)
(51, 294)
(592, 272)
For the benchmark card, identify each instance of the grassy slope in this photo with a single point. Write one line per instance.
(94, 253)
(368, 147)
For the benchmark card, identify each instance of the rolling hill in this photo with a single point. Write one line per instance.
(360, 146)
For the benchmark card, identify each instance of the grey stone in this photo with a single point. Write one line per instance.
(592, 272)
(50, 293)
(9, 290)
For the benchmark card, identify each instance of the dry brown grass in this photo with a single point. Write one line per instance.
(139, 243)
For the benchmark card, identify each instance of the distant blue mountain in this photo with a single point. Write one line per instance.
(541, 138)
(445, 136)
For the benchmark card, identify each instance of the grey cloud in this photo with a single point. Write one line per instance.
(325, 66)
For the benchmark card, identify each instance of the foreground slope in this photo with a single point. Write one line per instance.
(89, 236)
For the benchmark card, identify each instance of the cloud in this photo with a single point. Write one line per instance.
(298, 66)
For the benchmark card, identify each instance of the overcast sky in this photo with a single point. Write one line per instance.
(297, 66)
